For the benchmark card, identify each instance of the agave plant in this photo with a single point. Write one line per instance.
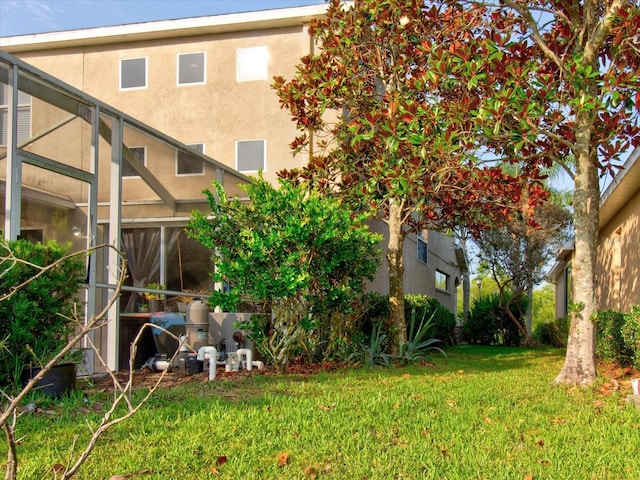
(373, 354)
(417, 346)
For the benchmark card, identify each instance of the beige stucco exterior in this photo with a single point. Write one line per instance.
(617, 249)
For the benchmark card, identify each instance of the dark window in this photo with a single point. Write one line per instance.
(139, 154)
(423, 248)
(250, 155)
(133, 73)
(190, 164)
(191, 68)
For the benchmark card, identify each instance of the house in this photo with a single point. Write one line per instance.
(617, 249)
(202, 82)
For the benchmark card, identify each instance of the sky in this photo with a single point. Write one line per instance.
(20, 17)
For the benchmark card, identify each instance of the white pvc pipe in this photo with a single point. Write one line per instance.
(248, 355)
(209, 353)
(161, 365)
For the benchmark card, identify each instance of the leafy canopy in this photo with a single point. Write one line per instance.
(286, 242)
(387, 109)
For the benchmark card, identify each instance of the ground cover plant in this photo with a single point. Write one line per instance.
(480, 412)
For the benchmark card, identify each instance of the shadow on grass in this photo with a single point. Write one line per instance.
(478, 358)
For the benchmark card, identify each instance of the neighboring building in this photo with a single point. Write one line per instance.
(617, 249)
(205, 82)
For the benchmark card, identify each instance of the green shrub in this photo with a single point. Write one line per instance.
(631, 334)
(610, 344)
(443, 321)
(554, 333)
(488, 324)
(33, 320)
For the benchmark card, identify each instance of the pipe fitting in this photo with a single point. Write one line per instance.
(209, 353)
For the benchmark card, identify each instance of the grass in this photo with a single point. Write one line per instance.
(480, 413)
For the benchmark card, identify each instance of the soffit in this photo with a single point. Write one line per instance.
(184, 27)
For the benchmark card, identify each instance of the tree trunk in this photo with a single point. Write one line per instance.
(396, 276)
(579, 367)
(522, 328)
(466, 279)
(11, 468)
(529, 314)
(466, 297)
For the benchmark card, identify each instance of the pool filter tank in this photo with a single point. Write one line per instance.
(197, 323)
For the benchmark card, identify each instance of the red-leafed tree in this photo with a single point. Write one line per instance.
(565, 86)
(384, 112)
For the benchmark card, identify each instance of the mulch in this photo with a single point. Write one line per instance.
(146, 379)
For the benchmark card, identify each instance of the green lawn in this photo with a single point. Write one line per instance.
(480, 413)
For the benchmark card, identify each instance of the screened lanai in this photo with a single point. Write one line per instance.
(74, 169)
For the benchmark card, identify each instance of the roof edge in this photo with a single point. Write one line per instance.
(211, 24)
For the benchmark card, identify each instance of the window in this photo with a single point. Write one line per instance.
(250, 155)
(24, 115)
(442, 280)
(32, 235)
(133, 73)
(191, 68)
(252, 64)
(140, 154)
(188, 164)
(423, 250)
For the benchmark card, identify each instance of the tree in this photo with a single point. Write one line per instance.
(517, 254)
(562, 83)
(387, 127)
(299, 254)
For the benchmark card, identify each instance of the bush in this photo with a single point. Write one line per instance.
(443, 321)
(34, 321)
(488, 324)
(610, 344)
(554, 333)
(631, 334)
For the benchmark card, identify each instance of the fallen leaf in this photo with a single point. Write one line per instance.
(488, 420)
(283, 459)
(311, 473)
(396, 405)
(528, 477)
(460, 371)
(294, 434)
(328, 407)
(425, 432)
(214, 470)
(406, 375)
(451, 403)
(540, 443)
(221, 460)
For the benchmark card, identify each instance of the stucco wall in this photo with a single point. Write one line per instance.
(217, 113)
(618, 259)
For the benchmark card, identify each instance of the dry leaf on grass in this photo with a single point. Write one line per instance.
(283, 459)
